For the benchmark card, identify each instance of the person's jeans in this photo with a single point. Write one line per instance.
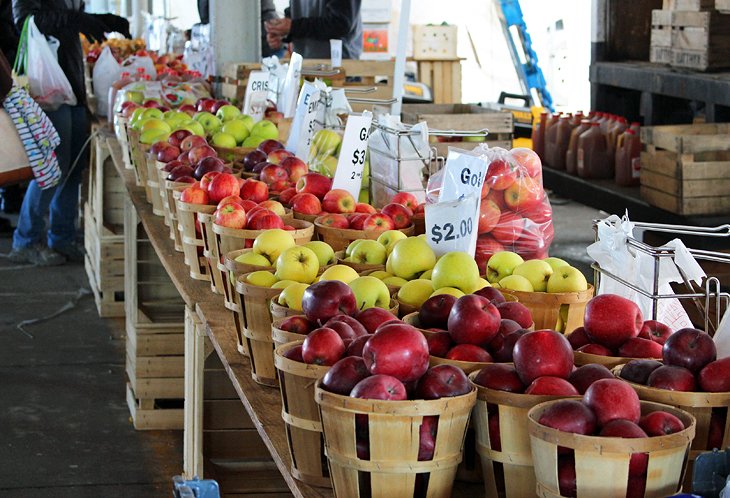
(62, 200)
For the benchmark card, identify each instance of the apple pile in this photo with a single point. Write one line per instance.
(480, 327)
(276, 166)
(508, 270)
(609, 408)
(228, 127)
(515, 214)
(187, 157)
(268, 245)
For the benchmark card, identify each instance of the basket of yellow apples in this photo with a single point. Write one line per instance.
(555, 292)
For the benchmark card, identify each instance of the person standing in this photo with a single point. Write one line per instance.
(311, 24)
(64, 20)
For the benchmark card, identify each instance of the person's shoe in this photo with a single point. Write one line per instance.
(37, 254)
(73, 252)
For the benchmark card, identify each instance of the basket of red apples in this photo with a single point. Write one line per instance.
(174, 190)
(395, 427)
(193, 200)
(614, 332)
(609, 444)
(690, 378)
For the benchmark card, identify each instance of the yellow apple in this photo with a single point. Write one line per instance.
(481, 283)
(567, 279)
(390, 238)
(351, 247)
(395, 281)
(555, 263)
(516, 282)
(369, 252)
(382, 275)
(292, 295)
(272, 243)
(261, 278)
(251, 258)
(536, 271)
(448, 290)
(411, 257)
(426, 275)
(283, 284)
(343, 273)
(325, 253)
(370, 293)
(501, 264)
(297, 263)
(389, 265)
(415, 292)
(455, 269)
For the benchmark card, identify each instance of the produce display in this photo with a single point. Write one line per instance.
(508, 270)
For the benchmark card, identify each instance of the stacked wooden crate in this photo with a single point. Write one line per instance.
(155, 343)
(685, 169)
(103, 231)
(699, 34)
(235, 77)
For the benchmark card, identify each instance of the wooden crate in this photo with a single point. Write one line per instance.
(444, 79)
(356, 74)
(692, 5)
(723, 6)
(700, 40)
(106, 190)
(235, 78)
(434, 42)
(685, 169)
(660, 49)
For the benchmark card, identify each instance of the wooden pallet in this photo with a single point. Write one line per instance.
(153, 414)
(690, 5)
(443, 77)
(685, 169)
(700, 40)
(660, 48)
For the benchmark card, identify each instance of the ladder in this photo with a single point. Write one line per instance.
(529, 73)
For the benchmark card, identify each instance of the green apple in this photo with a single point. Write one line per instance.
(327, 142)
(370, 293)
(252, 258)
(247, 120)
(265, 129)
(351, 247)
(297, 263)
(222, 139)
(209, 122)
(261, 278)
(136, 115)
(567, 279)
(555, 263)
(155, 124)
(291, 296)
(237, 129)
(369, 252)
(152, 136)
(389, 266)
(193, 127)
(411, 257)
(455, 269)
(328, 166)
(537, 271)
(174, 117)
(481, 283)
(283, 284)
(152, 112)
(501, 264)
(453, 291)
(394, 281)
(516, 282)
(252, 142)
(382, 275)
(325, 253)
(474, 139)
(228, 112)
(427, 274)
(390, 238)
(415, 292)
(134, 96)
(343, 273)
(272, 242)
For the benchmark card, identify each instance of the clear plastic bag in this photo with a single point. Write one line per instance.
(106, 72)
(48, 84)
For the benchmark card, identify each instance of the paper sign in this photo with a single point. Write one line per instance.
(257, 91)
(302, 128)
(348, 175)
(336, 52)
(463, 175)
(452, 226)
(291, 85)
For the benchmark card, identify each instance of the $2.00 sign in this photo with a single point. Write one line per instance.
(348, 175)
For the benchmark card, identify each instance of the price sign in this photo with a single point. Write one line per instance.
(463, 175)
(452, 226)
(348, 175)
(257, 91)
(287, 103)
(302, 129)
(336, 52)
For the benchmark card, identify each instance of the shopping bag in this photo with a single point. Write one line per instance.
(106, 71)
(15, 166)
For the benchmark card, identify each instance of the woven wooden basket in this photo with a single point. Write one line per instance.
(232, 154)
(580, 358)
(174, 191)
(546, 308)
(281, 337)
(602, 463)
(358, 267)
(340, 238)
(192, 237)
(137, 153)
(306, 217)
(210, 252)
(153, 184)
(301, 416)
(232, 239)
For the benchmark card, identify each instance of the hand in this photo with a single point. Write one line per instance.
(273, 41)
(92, 28)
(115, 23)
(278, 27)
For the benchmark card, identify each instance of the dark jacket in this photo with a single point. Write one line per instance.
(6, 78)
(9, 34)
(54, 18)
(315, 22)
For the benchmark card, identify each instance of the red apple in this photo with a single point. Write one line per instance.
(628, 429)
(179, 171)
(378, 221)
(501, 377)
(186, 179)
(249, 205)
(192, 141)
(297, 325)
(489, 214)
(222, 186)
(306, 204)
(689, 348)
(295, 168)
(405, 199)
(578, 338)
(716, 433)
(278, 155)
(509, 228)
(357, 221)
(612, 399)
(323, 300)
(611, 320)
(497, 197)
(543, 352)
(357, 328)
(294, 354)
(442, 381)
(344, 375)
(253, 158)
(323, 346)
(506, 349)
(268, 146)
(355, 347)
(527, 159)
(486, 247)
(198, 153)
(287, 195)
(469, 352)
(364, 208)
(473, 320)
(400, 214)
(177, 136)
(596, 349)
(638, 371)
(512, 310)
(332, 220)
(501, 174)
(495, 438)
(380, 386)
(427, 437)
(165, 153)
(551, 386)
(272, 174)
(231, 199)
(715, 376)
(254, 190)
(567, 484)
(207, 178)
(194, 195)
(274, 206)
(524, 194)
(372, 318)
(636, 347)
(399, 350)
(314, 183)
(434, 312)
(569, 415)
(208, 164)
(184, 158)
(338, 201)
(584, 376)
(420, 209)
(660, 423)
(231, 215)
(265, 220)
(656, 331)
(439, 344)
(492, 294)
(672, 378)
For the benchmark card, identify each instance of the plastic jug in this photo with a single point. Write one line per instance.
(562, 140)
(636, 127)
(577, 118)
(628, 159)
(614, 131)
(123, 81)
(592, 155)
(551, 133)
(572, 152)
(538, 136)
(605, 121)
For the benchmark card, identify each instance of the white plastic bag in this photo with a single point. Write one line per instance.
(722, 340)
(133, 63)
(48, 85)
(106, 71)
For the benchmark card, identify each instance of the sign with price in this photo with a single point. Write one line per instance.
(348, 175)
(452, 226)
(302, 128)
(257, 91)
(287, 101)
(463, 175)
(336, 52)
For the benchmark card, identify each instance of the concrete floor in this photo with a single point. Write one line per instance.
(64, 426)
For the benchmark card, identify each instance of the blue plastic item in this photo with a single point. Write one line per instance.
(195, 488)
(710, 473)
